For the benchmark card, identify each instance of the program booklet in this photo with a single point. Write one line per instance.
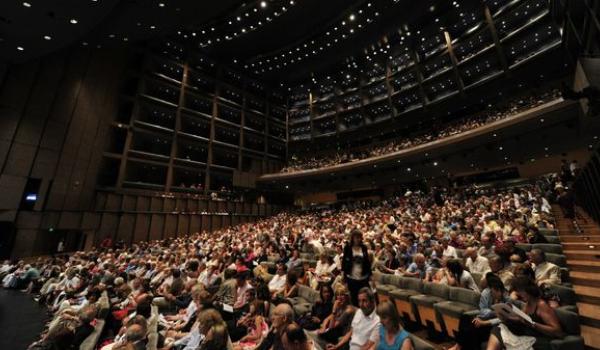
(510, 311)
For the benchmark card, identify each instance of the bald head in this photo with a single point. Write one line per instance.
(283, 314)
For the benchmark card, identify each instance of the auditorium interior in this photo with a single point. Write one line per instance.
(300, 174)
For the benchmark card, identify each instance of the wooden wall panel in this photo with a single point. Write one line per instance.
(215, 222)
(125, 230)
(170, 226)
(143, 203)
(114, 202)
(156, 204)
(195, 223)
(212, 206)
(169, 205)
(69, 220)
(108, 227)
(129, 203)
(202, 205)
(206, 223)
(192, 205)
(157, 224)
(183, 225)
(181, 204)
(142, 227)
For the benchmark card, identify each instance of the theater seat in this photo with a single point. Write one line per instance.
(420, 344)
(306, 298)
(566, 295)
(553, 239)
(569, 321)
(433, 294)
(92, 340)
(384, 284)
(549, 248)
(409, 287)
(548, 232)
(557, 259)
(462, 301)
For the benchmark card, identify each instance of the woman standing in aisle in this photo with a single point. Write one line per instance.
(356, 265)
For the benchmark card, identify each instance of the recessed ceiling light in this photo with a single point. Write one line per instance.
(26, 4)
(263, 4)
(352, 17)
(47, 37)
(161, 4)
(73, 21)
(20, 48)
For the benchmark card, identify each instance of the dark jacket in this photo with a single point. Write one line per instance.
(347, 260)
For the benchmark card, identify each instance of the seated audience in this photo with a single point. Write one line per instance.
(544, 326)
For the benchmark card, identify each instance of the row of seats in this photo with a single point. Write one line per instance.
(440, 307)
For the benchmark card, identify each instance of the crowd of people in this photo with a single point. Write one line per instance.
(214, 292)
(455, 127)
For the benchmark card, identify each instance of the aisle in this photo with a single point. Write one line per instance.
(21, 320)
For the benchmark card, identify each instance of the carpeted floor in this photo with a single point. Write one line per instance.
(21, 320)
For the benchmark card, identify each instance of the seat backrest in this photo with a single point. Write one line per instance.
(378, 277)
(436, 290)
(152, 343)
(525, 246)
(103, 305)
(549, 248)
(553, 239)
(411, 283)
(565, 277)
(569, 321)
(465, 296)
(567, 295)
(477, 277)
(308, 293)
(557, 259)
(548, 232)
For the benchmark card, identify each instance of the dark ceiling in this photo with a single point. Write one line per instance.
(35, 28)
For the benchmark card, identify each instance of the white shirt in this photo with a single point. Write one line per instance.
(323, 269)
(364, 328)
(480, 265)
(547, 272)
(450, 251)
(277, 282)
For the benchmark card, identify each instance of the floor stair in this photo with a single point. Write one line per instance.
(581, 245)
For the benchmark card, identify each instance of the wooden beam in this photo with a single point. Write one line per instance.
(499, 50)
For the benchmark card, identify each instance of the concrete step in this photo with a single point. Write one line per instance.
(572, 238)
(590, 279)
(589, 246)
(591, 336)
(584, 266)
(580, 254)
(590, 311)
(586, 294)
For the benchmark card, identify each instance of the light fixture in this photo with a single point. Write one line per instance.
(73, 21)
(26, 4)
(352, 17)
(20, 48)
(161, 4)
(47, 37)
(263, 4)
